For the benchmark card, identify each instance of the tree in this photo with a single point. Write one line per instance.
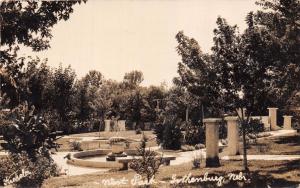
(63, 92)
(244, 68)
(27, 23)
(133, 79)
(197, 74)
(27, 131)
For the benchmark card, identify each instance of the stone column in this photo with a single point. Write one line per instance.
(287, 122)
(121, 125)
(107, 125)
(273, 118)
(239, 111)
(232, 135)
(212, 141)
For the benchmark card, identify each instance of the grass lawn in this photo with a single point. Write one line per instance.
(283, 145)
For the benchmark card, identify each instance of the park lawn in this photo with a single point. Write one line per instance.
(278, 172)
(282, 145)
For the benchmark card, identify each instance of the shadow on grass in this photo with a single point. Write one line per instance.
(287, 167)
(291, 140)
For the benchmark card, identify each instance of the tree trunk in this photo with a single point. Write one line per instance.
(245, 162)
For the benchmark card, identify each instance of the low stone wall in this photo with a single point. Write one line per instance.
(95, 164)
(92, 145)
(78, 159)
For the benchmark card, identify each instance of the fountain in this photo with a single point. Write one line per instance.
(118, 145)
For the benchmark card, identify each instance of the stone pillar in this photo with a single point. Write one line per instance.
(232, 135)
(273, 118)
(107, 125)
(121, 125)
(239, 111)
(287, 122)
(212, 141)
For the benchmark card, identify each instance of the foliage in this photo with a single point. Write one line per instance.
(27, 23)
(194, 134)
(133, 79)
(63, 90)
(28, 132)
(18, 169)
(172, 136)
(75, 146)
(148, 165)
(197, 159)
(159, 132)
(255, 127)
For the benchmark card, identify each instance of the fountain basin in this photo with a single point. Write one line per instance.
(85, 158)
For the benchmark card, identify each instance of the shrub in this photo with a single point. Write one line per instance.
(20, 170)
(254, 127)
(146, 166)
(138, 131)
(197, 160)
(75, 146)
(159, 132)
(172, 138)
(194, 134)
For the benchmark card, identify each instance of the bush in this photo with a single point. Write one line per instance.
(146, 166)
(198, 158)
(138, 131)
(254, 127)
(172, 138)
(75, 146)
(20, 170)
(194, 134)
(159, 132)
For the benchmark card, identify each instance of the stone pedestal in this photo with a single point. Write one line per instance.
(287, 122)
(212, 141)
(240, 114)
(273, 118)
(121, 125)
(107, 125)
(265, 121)
(232, 135)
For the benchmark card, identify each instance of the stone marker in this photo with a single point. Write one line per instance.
(212, 141)
(121, 125)
(265, 121)
(239, 111)
(273, 118)
(287, 122)
(107, 125)
(232, 135)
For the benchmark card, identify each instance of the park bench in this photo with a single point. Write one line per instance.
(126, 161)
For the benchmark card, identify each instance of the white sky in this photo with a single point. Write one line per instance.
(118, 36)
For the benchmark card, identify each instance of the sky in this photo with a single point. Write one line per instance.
(118, 36)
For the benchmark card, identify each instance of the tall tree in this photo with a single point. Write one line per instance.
(133, 79)
(28, 23)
